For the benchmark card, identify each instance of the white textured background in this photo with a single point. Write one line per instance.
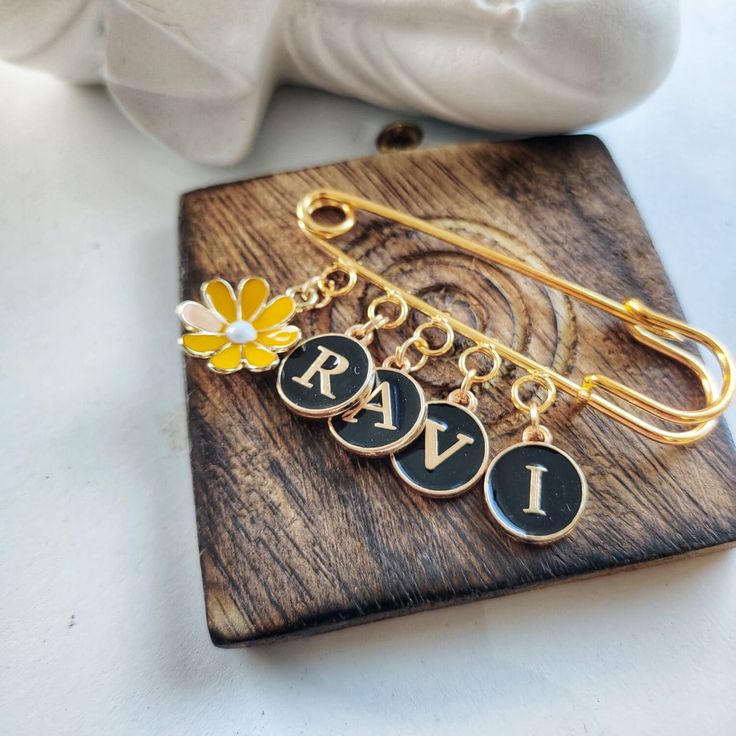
(102, 625)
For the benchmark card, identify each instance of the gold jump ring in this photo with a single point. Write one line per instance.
(541, 380)
(326, 283)
(403, 362)
(490, 353)
(399, 319)
(425, 347)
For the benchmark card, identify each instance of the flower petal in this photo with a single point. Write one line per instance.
(194, 316)
(252, 295)
(277, 311)
(201, 344)
(280, 338)
(227, 360)
(258, 357)
(219, 295)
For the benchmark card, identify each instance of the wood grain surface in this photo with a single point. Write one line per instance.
(296, 535)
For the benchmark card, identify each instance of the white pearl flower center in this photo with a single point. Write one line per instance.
(240, 332)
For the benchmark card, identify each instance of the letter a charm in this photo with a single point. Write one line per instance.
(389, 418)
(449, 456)
(325, 375)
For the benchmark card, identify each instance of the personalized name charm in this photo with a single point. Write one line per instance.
(389, 418)
(325, 375)
(449, 456)
(535, 491)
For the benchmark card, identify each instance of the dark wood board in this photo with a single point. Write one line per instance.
(297, 536)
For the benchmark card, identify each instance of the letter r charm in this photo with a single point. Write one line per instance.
(325, 375)
(319, 367)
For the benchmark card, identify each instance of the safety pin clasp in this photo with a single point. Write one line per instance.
(652, 329)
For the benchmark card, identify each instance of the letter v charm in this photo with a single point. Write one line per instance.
(454, 469)
(433, 458)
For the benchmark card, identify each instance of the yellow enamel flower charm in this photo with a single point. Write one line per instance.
(238, 330)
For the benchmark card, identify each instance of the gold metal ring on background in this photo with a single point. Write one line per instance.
(390, 324)
(316, 201)
(362, 333)
(541, 380)
(537, 434)
(403, 362)
(392, 361)
(306, 287)
(379, 322)
(469, 379)
(327, 286)
(307, 295)
(490, 353)
(365, 331)
(464, 398)
(303, 298)
(440, 324)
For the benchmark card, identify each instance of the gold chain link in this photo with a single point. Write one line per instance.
(318, 291)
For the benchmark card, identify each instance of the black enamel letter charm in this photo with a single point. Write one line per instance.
(535, 491)
(449, 456)
(389, 418)
(325, 375)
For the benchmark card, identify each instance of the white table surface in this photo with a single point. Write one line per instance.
(102, 627)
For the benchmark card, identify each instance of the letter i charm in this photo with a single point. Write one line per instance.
(534, 490)
(451, 454)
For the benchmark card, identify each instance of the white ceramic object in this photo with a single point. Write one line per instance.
(198, 75)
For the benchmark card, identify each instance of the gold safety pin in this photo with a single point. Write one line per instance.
(651, 328)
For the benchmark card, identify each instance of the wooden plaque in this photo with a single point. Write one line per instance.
(299, 537)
